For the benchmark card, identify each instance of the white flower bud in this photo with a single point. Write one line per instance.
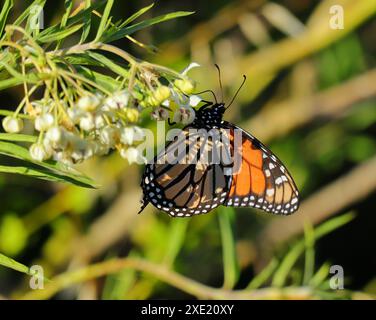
(160, 114)
(87, 122)
(109, 136)
(56, 137)
(88, 103)
(194, 100)
(75, 114)
(35, 108)
(184, 115)
(132, 155)
(54, 134)
(12, 124)
(44, 122)
(101, 149)
(90, 149)
(99, 121)
(110, 104)
(127, 136)
(122, 98)
(119, 100)
(63, 157)
(77, 156)
(38, 152)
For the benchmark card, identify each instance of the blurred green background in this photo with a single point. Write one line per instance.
(310, 96)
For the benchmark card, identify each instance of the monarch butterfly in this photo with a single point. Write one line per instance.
(188, 184)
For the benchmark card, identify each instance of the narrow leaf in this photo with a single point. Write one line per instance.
(13, 264)
(35, 13)
(58, 35)
(263, 276)
(72, 176)
(104, 19)
(7, 6)
(10, 83)
(178, 228)
(25, 13)
(84, 13)
(106, 82)
(136, 15)
(39, 173)
(11, 113)
(309, 242)
(292, 256)
(109, 64)
(68, 4)
(32, 78)
(87, 23)
(18, 137)
(143, 24)
(230, 262)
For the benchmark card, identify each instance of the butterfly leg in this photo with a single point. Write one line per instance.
(144, 203)
(170, 123)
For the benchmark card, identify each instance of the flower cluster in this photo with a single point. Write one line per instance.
(94, 124)
(177, 98)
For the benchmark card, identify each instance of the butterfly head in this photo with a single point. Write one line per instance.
(210, 115)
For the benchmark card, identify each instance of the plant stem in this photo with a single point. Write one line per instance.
(183, 283)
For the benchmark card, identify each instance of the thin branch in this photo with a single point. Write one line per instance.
(172, 278)
(264, 64)
(279, 119)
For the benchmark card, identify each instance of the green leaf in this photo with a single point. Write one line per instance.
(35, 13)
(71, 176)
(87, 23)
(264, 275)
(39, 173)
(68, 4)
(18, 137)
(178, 228)
(136, 15)
(143, 24)
(13, 264)
(106, 82)
(7, 6)
(32, 78)
(230, 262)
(109, 64)
(309, 242)
(82, 59)
(62, 33)
(320, 276)
(10, 83)
(85, 13)
(25, 13)
(292, 256)
(104, 20)
(11, 113)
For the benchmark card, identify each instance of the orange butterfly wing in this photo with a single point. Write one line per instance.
(261, 181)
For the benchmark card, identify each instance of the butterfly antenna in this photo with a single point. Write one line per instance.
(220, 80)
(211, 91)
(237, 91)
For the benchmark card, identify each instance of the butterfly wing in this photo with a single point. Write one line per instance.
(262, 181)
(182, 181)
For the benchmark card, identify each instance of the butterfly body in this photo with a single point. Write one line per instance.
(197, 171)
(209, 116)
